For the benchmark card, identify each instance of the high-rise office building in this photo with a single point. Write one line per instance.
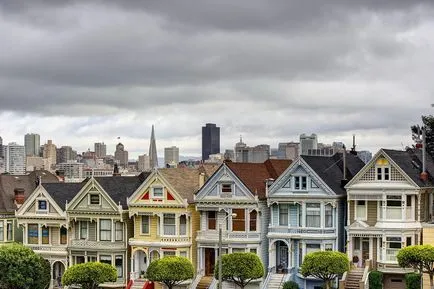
(143, 163)
(121, 155)
(153, 157)
(210, 140)
(15, 159)
(288, 150)
(32, 143)
(64, 154)
(50, 153)
(256, 154)
(308, 142)
(171, 156)
(1, 148)
(100, 150)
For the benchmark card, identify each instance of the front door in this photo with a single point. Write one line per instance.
(365, 250)
(209, 261)
(282, 257)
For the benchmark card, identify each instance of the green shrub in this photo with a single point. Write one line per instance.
(89, 275)
(375, 280)
(412, 281)
(170, 270)
(290, 285)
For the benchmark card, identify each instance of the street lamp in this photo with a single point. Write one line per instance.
(233, 215)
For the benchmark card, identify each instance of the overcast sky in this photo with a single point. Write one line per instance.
(79, 72)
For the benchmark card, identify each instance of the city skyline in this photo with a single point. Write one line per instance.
(269, 73)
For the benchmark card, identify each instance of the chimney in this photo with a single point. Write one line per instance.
(201, 180)
(60, 174)
(116, 170)
(19, 196)
(268, 183)
(344, 180)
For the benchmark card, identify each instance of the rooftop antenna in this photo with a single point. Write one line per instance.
(353, 149)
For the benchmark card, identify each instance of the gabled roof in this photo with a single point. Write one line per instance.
(254, 175)
(8, 183)
(119, 188)
(330, 169)
(63, 192)
(410, 161)
(184, 180)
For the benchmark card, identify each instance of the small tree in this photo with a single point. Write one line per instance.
(22, 268)
(240, 268)
(89, 275)
(419, 257)
(325, 265)
(170, 270)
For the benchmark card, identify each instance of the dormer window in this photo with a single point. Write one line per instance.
(42, 205)
(382, 170)
(94, 199)
(300, 183)
(157, 193)
(227, 188)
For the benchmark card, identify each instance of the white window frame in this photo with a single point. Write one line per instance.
(317, 209)
(157, 196)
(332, 215)
(167, 253)
(2, 230)
(180, 225)
(300, 183)
(170, 225)
(47, 208)
(117, 224)
(80, 230)
(141, 225)
(90, 197)
(381, 176)
(393, 259)
(226, 184)
(10, 222)
(360, 218)
(105, 230)
(287, 215)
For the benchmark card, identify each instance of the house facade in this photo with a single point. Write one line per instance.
(388, 201)
(308, 208)
(99, 225)
(234, 198)
(164, 217)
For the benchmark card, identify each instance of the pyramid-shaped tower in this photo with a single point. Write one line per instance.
(153, 158)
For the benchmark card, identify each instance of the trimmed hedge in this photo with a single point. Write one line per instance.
(290, 285)
(375, 280)
(412, 281)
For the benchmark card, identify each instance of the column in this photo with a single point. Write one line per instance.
(39, 234)
(177, 229)
(371, 248)
(322, 215)
(303, 214)
(113, 232)
(25, 234)
(97, 230)
(403, 207)
(418, 208)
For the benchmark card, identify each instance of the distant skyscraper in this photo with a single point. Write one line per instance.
(100, 150)
(1, 148)
(308, 142)
(143, 163)
(210, 140)
(256, 154)
(15, 159)
(171, 156)
(153, 158)
(32, 143)
(288, 150)
(64, 154)
(50, 153)
(121, 155)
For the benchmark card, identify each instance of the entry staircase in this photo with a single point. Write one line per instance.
(353, 278)
(204, 282)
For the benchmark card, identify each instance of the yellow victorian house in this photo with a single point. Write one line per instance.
(164, 217)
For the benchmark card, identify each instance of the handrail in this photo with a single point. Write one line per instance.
(196, 281)
(281, 281)
(343, 280)
(267, 279)
(213, 284)
(362, 283)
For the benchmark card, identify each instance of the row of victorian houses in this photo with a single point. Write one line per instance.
(280, 210)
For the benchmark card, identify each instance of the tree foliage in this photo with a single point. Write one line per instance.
(89, 275)
(375, 280)
(21, 268)
(419, 257)
(325, 265)
(428, 122)
(240, 268)
(170, 270)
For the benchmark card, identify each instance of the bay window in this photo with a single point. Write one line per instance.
(33, 234)
(63, 235)
(119, 265)
(313, 215)
(45, 235)
(393, 245)
(83, 229)
(105, 230)
(283, 215)
(239, 222)
(361, 209)
(119, 232)
(183, 225)
(252, 216)
(9, 230)
(393, 208)
(169, 224)
(211, 220)
(107, 259)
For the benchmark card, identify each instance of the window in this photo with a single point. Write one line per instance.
(91, 258)
(105, 259)
(83, 230)
(169, 253)
(119, 265)
(361, 210)
(328, 212)
(105, 230)
(357, 243)
(408, 241)
(226, 188)
(393, 244)
(252, 226)
(9, 230)
(211, 220)
(145, 225)
(79, 259)
(238, 250)
(32, 234)
(169, 224)
(239, 222)
(253, 250)
(313, 215)
(386, 174)
(328, 247)
(2, 230)
(393, 208)
(45, 235)
(42, 205)
(283, 215)
(94, 199)
(312, 248)
(183, 225)
(382, 170)
(300, 183)
(183, 254)
(63, 235)
(157, 192)
(119, 232)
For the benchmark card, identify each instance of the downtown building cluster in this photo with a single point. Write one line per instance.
(280, 210)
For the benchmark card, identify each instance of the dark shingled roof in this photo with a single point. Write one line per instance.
(330, 169)
(410, 161)
(8, 183)
(63, 192)
(253, 175)
(119, 188)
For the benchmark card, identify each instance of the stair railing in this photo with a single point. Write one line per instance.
(343, 280)
(196, 281)
(364, 283)
(267, 279)
(213, 284)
